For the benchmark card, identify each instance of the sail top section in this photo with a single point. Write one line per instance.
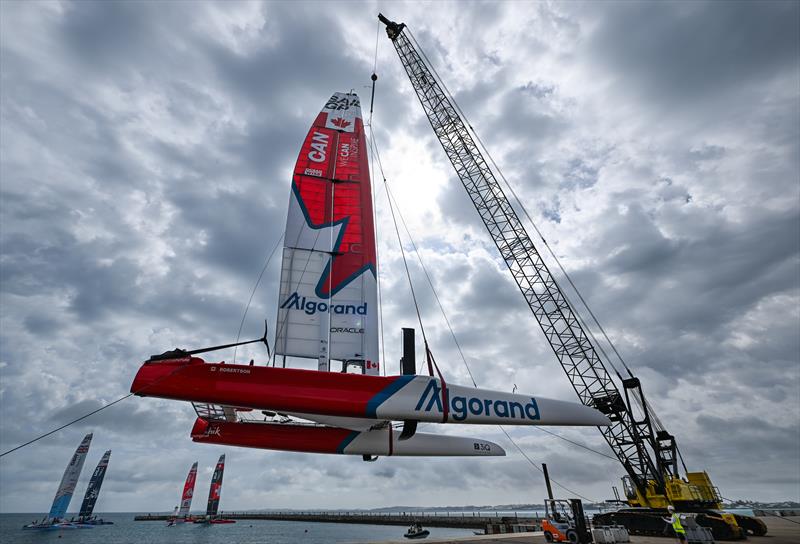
(328, 293)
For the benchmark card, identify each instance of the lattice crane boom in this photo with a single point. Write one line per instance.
(580, 360)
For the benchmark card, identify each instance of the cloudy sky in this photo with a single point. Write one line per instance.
(146, 151)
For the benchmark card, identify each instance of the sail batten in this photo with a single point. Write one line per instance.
(328, 290)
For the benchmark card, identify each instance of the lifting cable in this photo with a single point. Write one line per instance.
(522, 207)
(537, 467)
(390, 197)
(374, 145)
(373, 192)
(658, 424)
(458, 345)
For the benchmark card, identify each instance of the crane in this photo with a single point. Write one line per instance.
(647, 451)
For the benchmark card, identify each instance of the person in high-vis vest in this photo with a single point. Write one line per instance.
(675, 521)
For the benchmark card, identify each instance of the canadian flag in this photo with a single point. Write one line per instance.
(340, 122)
(372, 364)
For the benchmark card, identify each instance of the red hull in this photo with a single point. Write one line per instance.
(304, 438)
(263, 387)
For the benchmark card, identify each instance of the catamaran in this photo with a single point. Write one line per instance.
(92, 492)
(212, 509)
(181, 514)
(328, 312)
(55, 518)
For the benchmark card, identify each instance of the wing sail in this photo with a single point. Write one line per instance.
(188, 492)
(93, 489)
(216, 488)
(328, 291)
(70, 479)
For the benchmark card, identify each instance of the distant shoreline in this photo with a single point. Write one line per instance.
(783, 505)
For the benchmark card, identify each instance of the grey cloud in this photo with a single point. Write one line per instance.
(688, 53)
(144, 175)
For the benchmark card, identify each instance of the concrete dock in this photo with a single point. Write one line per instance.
(780, 531)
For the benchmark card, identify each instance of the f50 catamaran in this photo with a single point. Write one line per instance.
(214, 492)
(55, 518)
(86, 514)
(181, 513)
(328, 311)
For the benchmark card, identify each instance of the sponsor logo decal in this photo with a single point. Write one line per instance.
(319, 147)
(348, 330)
(311, 307)
(462, 407)
(230, 369)
(234, 370)
(342, 102)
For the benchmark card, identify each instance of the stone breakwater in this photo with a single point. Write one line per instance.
(471, 520)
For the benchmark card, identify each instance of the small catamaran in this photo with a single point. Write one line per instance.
(212, 509)
(181, 513)
(328, 312)
(55, 518)
(92, 492)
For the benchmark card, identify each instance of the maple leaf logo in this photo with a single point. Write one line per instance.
(340, 122)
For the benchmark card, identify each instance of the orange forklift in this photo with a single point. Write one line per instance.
(564, 520)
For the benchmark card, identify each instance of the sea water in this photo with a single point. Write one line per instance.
(244, 531)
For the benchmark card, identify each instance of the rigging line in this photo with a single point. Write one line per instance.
(375, 223)
(399, 241)
(455, 339)
(377, 40)
(537, 467)
(519, 203)
(463, 358)
(433, 289)
(584, 446)
(110, 404)
(452, 333)
(258, 281)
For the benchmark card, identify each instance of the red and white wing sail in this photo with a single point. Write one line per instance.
(328, 293)
(188, 492)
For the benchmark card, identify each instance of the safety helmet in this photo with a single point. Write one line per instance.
(671, 508)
